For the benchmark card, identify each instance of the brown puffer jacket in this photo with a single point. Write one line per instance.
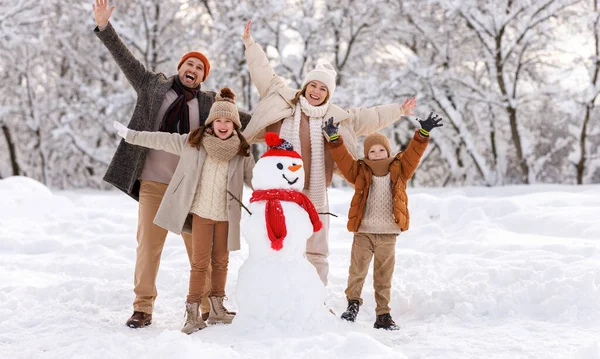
(358, 173)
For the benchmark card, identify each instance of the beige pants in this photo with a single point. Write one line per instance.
(364, 246)
(151, 240)
(209, 247)
(317, 246)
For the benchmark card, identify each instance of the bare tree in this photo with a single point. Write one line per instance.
(511, 35)
(592, 93)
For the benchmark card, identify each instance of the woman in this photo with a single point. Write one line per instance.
(297, 116)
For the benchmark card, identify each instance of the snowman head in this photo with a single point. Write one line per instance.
(280, 167)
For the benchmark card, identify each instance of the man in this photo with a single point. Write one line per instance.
(169, 104)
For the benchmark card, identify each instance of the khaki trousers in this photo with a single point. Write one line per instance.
(317, 246)
(151, 240)
(364, 247)
(209, 247)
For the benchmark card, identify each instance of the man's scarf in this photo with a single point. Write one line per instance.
(274, 216)
(177, 117)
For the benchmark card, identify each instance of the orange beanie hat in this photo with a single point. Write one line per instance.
(199, 56)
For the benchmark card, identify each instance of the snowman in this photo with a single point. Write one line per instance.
(277, 286)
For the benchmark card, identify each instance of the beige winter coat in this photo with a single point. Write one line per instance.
(275, 105)
(174, 211)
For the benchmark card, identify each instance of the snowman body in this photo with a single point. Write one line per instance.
(278, 287)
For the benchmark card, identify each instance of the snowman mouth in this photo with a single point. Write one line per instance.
(290, 182)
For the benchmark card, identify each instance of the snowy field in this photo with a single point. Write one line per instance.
(510, 272)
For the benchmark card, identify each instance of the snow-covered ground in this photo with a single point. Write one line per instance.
(510, 272)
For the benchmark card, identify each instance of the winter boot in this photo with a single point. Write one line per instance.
(385, 321)
(205, 315)
(139, 320)
(193, 322)
(352, 310)
(218, 313)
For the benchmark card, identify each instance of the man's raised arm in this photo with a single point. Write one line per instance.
(134, 70)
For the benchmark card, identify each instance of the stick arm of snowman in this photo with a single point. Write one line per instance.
(329, 213)
(240, 202)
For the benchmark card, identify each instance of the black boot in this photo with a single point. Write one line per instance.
(385, 321)
(351, 311)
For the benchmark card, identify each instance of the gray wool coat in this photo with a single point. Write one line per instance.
(174, 211)
(127, 164)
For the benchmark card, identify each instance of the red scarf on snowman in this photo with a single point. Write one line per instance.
(274, 216)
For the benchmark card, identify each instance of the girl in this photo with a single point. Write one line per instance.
(297, 116)
(214, 161)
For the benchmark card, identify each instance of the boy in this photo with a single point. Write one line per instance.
(378, 211)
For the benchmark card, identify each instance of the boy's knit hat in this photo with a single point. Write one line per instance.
(377, 139)
(200, 56)
(325, 73)
(224, 106)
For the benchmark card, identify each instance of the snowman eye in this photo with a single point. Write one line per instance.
(280, 166)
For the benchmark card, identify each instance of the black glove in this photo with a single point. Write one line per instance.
(330, 130)
(432, 121)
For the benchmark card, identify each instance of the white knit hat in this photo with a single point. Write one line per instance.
(325, 73)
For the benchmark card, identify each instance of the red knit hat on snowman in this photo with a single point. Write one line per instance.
(279, 147)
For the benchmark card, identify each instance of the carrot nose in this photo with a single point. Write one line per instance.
(294, 168)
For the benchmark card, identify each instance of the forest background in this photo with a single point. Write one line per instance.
(516, 81)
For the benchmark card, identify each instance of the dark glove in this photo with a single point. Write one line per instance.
(432, 121)
(330, 130)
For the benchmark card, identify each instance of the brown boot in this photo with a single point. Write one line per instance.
(385, 321)
(139, 320)
(193, 321)
(218, 313)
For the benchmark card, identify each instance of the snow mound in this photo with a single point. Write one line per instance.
(23, 197)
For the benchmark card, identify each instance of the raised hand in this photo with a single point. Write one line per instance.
(330, 130)
(246, 34)
(121, 129)
(408, 106)
(432, 121)
(102, 12)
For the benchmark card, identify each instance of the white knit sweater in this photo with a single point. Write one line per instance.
(379, 209)
(210, 199)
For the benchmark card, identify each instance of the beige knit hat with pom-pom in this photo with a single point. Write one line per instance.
(224, 106)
